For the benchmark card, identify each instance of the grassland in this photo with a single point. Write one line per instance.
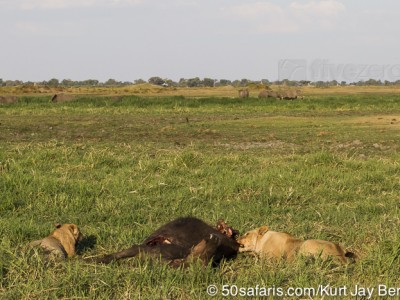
(149, 90)
(324, 167)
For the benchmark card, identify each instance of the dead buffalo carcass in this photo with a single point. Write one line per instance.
(183, 240)
(244, 93)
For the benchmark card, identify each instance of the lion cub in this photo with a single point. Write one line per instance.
(61, 243)
(278, 245)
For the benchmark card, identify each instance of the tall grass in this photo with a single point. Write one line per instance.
(326, 167)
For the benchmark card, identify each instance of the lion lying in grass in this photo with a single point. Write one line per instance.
(278, 245)
(60, 243)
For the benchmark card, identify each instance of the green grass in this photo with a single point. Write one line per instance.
(326, 167)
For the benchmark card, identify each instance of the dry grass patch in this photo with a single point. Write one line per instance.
(387, 121)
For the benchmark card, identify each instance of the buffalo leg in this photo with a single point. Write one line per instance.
(130, 252)
(203, 251)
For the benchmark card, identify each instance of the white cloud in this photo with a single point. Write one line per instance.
(319, 8)
(30, 27)
(255, 10)
(266, 17)
(58, 29)
(318, 15)
(186, 2)
(54, 4)
(270, 17)
(62, 4)
(125, 2)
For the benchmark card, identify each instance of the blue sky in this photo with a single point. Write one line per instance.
(230, 39)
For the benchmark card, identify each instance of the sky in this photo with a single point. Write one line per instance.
(125, 40)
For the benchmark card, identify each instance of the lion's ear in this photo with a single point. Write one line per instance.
(57, 225)
(74, 229)
(262, 230)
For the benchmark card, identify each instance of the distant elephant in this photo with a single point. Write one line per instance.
(268, 94)
(62, 98)
(8, 99)
(290, 95)
(244, 93)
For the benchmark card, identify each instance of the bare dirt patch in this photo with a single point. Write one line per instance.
(255, 145)
(378, 120)
(353, 145)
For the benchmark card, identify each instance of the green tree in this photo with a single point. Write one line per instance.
(111, 82)
(67, 83)
(139, 81)
(208, 82)
(170, 82)
(244, 82)
(53, 82)
(373, 82)
(305, 82)
(224, 82)
(194, 82)
(182, 82)
(265, 82)
(236, 83)
(333, 83)
(91, 82)
(320, 84)
(156, 80)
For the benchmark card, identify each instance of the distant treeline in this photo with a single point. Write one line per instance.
(194, 82)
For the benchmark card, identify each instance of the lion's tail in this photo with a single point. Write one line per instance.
(351, 255)
(35, 243)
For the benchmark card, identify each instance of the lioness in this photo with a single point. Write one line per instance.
(60, 243)
(278, 245)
